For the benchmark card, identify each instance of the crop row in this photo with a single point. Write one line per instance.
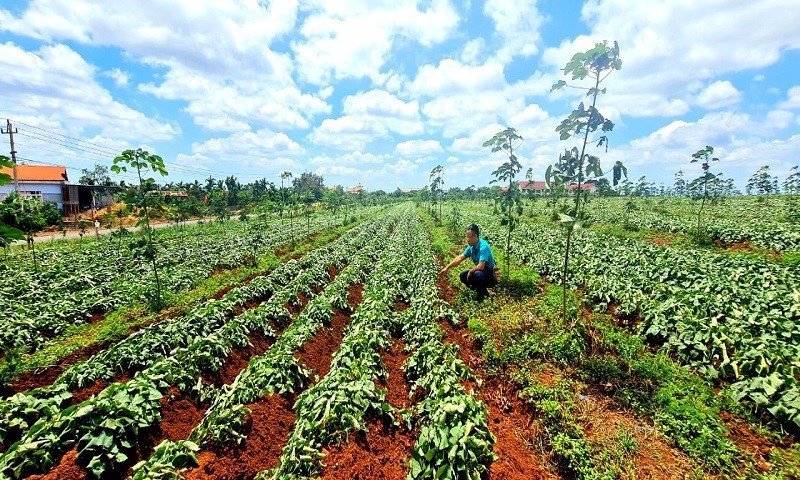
(276, 372)
(731, 317)
(761, 232)
(78, 280)
(454, 440)
(104, 425)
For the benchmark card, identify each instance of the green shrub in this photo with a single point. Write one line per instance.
(605, 368)
(566, 347)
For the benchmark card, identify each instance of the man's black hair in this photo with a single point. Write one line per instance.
(474, 229)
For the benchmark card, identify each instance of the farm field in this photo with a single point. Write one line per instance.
(355, 358)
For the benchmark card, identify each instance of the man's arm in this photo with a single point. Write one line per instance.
(452, 264)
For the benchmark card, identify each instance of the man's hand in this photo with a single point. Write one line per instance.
(444, 270)
(469, 274)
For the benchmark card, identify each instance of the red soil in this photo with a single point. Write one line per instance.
(381, 454)
(749, 442)
(179, 415)
(238, 360)
(268, 426)
(354, 296)
(272, 418)
(317, 353)
(510, 420)
(46, 376)
(295, 310)
(653, 458)
(396, 386)
(85, 393)
(67, 469)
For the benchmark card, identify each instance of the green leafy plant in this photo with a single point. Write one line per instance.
(510, 201)
(704, 155)
(436, 188)
(143, 160)
(574, 167)
(7, 233)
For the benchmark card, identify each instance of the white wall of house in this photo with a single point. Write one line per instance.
(45, 191)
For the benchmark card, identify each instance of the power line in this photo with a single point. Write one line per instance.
(67, 136)
(35, 136)
(96, 149)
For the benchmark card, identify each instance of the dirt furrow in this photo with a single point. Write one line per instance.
(385, 450)
(510, 420)
(272, 418)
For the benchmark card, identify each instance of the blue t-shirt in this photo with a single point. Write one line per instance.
(480, 253)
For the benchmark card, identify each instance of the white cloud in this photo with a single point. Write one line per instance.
(347, 133)
(382, 107)
(517, 22)
(372, 171)
(473, 51)
(57, 83)
(451, 78)
(718, 95)
(414, 148)
(120, 78)
(216, 38)
(235, 107)
(350, 159)
(263, 143)
(792, 101)
(353, 39)
(779, 119)
(367, 117)
(667, 48)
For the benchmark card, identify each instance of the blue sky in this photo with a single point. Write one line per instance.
(381, 92)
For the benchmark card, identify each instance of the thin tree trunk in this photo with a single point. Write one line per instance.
(158, 283)
(35, 261)
(564, 276)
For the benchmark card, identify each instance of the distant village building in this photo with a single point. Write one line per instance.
(174, 194)
(45, 182)
(540, 188)
(49, 183)
(355, 190)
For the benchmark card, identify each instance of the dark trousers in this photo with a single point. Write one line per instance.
(480, 281)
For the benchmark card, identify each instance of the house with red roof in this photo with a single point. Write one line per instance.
(45, 182)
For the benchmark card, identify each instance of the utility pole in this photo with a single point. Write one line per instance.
(10, 132)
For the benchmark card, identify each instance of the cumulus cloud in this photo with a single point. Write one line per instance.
(779, 119)
(179, 33)
(451, 77)
(57, 83)
(353, 39)
(414, 148)
(368, 116)
(667, 48)
(718, 95)
(120, 78)
(236, 107)
(792, 101)
(511, 17)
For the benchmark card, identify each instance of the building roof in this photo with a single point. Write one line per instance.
(584, 186)
(535, 185)
(355, 189)
(38, 173)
